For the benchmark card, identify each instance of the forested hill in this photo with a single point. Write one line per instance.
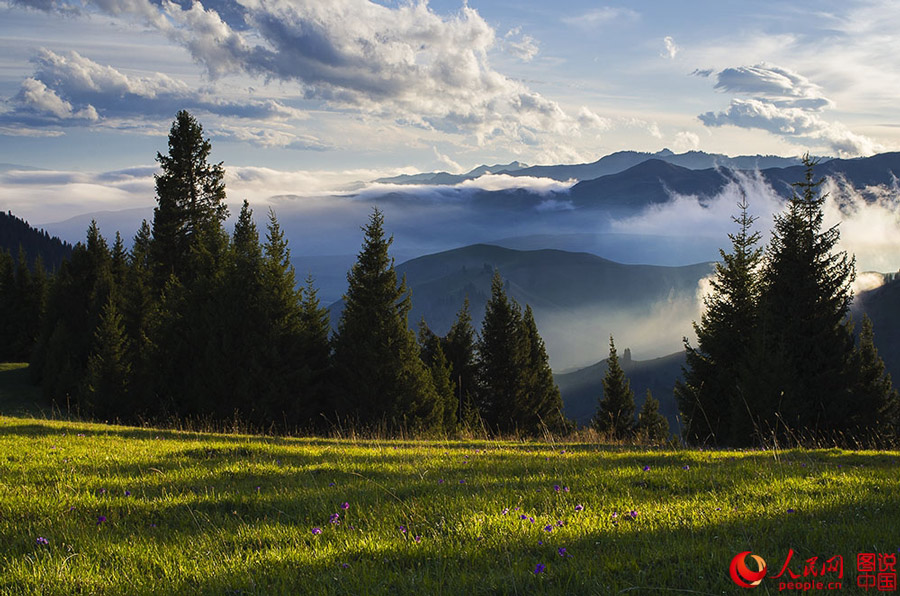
(15, 233)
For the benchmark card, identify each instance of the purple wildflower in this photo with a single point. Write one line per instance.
(548, 528)
(561, 551)
(345, 565)
(101, 519)
(463, 481)
(646, 468)
(559, 523)
(633, 514)
(791, 511)
(539, 568)
(335, 518)
(556, 487)
(565, 489)
(316, 531)
(418, 539)
(331, 484)
(402, 529)
(523, 516)
(345, 506)
(127, 493)
(685, 467)
(42, 541)
(531, 519)
(579, 507)
(615, 514)
(505, 511)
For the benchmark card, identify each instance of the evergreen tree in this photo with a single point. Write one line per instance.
(615, 412)
(190, 194)
(315, 360)
(501, 360)
(651, 425)
(460, 349)
(139, 316)
(876, 402)
(543, 403)
(108, 369)
(434, 358)
(801, 379)
(712, 400)
(377, 365)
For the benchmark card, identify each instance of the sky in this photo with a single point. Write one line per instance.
(307, 96)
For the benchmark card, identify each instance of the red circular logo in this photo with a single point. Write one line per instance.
(742, 575)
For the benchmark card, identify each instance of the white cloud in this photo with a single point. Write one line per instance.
(787, 104)
(686, 141)
(670, 48)
(601, 16)
(447, 161)
(520, 45)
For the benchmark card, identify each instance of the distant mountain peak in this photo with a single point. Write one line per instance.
(664, 153)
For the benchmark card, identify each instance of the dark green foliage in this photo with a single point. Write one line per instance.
(542, 407)
(16, 234)
(190, 194)
(500, 360)
(22, 295)
(516, 391)
(433, 356)
(802, 378)
(460, 350)
(381, 378)
(108, 369)
(877, 404)
(651, 425)
(314, 361)
(75, 300)
(615, 411)
(712, 400)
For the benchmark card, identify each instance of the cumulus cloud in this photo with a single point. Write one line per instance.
(686, 141)
(405, 62)
(522, 46)
(68, 89)
(785, 103)
(671, 50)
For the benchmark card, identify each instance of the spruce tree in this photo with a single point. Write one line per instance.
(615, 411)
(876, 402)
(434, 358)
(712, 400)
(501, 360)
(651, 425)
(108, 369)
(190, 194)
(315, 358)
(460, 349)
(543, 403)
(801, 380)
(382, 380)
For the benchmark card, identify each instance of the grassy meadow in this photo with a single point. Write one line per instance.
(98, 509)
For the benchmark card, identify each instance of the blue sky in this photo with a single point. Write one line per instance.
(316, 94)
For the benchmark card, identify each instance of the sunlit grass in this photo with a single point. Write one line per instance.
(192, 513)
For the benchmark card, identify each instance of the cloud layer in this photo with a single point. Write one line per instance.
(784, 103)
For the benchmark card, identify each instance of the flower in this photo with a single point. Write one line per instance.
(345, 506)
(440, 481)
(633, 514)
(127, 493)
(335, 518)
(646, 468)
(685, 467)
(565, 489)
(615, 514)
(560, 523)
(556, 487)
(42, 541)
(402, 529)
(316, 531)
(791, 511)
(561, 551)
(539, 568)
(331, 484)
(579, 507)
(523, 516)
(101, 519)
(463, 481)
(505, 511)
(418, 539)
(548, 528)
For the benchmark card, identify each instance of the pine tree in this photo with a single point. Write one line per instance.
(108, 369)
(382, 378)
(651, 425)
(876, 402)
(434, 358)
(801, 375)
(712, 400)
(139, 316)
(315, 328)
(615, 412)
(460, 349)
(190, 194)
(543, 402)
(500, 361)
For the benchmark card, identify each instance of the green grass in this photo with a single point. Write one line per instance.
(230, 514)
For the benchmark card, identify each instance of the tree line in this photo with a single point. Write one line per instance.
(195, 323)
(777, 356)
